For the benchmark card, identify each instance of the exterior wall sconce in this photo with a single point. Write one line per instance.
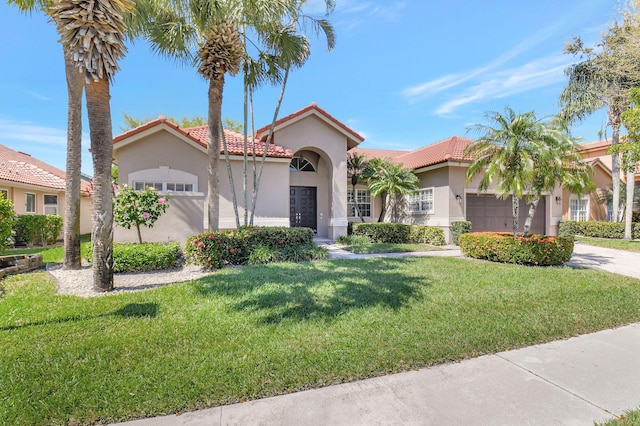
(459, 198)
(558, 200)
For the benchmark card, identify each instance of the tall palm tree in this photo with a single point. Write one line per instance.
(505, 154)
(212, 33)
(93, 32)
(356, 166)
(75, 86)
(390, 181)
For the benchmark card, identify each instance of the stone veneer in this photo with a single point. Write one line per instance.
(10, 265)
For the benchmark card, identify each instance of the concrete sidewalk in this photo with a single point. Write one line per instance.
(586, 379)
(590, 378)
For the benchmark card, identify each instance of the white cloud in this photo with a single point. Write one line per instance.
(503, 83)
(33, 133)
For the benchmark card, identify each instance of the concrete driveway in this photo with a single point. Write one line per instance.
(610, 260)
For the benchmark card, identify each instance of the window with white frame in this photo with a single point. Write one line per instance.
(50, 204)
(164, 186)
(29, 203)
(421, 201)
(363, 198)
(579, 208)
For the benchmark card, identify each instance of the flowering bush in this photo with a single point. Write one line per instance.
(135, 208)
(539, 250)
(213, 250)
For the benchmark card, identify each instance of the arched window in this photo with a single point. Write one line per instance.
(301, 164)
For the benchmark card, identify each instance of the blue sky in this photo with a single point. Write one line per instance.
(403, 74)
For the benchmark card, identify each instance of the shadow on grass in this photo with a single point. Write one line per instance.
(329, 289)
(130, 310)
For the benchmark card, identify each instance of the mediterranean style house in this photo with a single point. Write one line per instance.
(305, 181)
(36, 187)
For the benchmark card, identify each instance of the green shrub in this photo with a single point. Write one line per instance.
(37, 229)
(135, 257)
(426, 235)
(539, 250)
(458, 228)
(570, 228)
(262, 254)
(353, 240)
(398, 233)
(7, 223)
(213, 250)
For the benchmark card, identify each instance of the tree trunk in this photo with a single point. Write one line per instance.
(72, 195)
(213, 151)
(232, 185)
(628, 220)
(383, 209)
(615, 169)
(99, 112)
(515, 207)
(356, 208)
(529, 220)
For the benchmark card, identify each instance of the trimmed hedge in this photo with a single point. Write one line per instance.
(615, 230)
(37, 229)
(398, 233)
(213, 250)
(134, 257)
(538, 250)
(458, 228)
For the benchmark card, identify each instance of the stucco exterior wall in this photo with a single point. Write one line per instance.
(313, 134)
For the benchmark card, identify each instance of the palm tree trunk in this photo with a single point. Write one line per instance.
(72, 196)
(383, 209)
(615, 169)
(515, 207)
(529, 220)
(628, 220)
(356, 208)
(213, 151)
(99, 112)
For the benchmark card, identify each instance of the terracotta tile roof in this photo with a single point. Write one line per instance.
(200, 135)
(378, 153)
(263, 132)
(22, 168)
(450, 149)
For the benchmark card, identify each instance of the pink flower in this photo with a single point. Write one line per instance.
(146, 215)
(212, 237)
(200, 244)
(232, 250)
(161, 200)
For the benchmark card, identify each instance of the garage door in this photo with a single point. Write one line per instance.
(488, 213)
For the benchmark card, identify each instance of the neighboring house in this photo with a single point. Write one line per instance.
(36, 187)
(594, 206)
(303, 183)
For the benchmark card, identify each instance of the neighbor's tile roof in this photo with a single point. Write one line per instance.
(450, 149)
(22, 168)
(595, 145)
(200, 135)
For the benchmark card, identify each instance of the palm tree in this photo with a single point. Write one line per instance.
(93, 33)
(558, 162)
(506, 153)
(390, 181)
(214, 33)
(356, 166)
(75, 86)
(603, 78)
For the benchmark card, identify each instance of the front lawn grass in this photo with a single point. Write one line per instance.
(257, 331)
(52, 254)
(631, 418)
(389, 248)
(628, 245)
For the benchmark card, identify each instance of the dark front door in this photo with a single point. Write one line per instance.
(302, 207)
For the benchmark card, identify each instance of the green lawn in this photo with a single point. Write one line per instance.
(632, 418)
(633, 245)
(251, 332)
(389, 248)
(52, 254)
